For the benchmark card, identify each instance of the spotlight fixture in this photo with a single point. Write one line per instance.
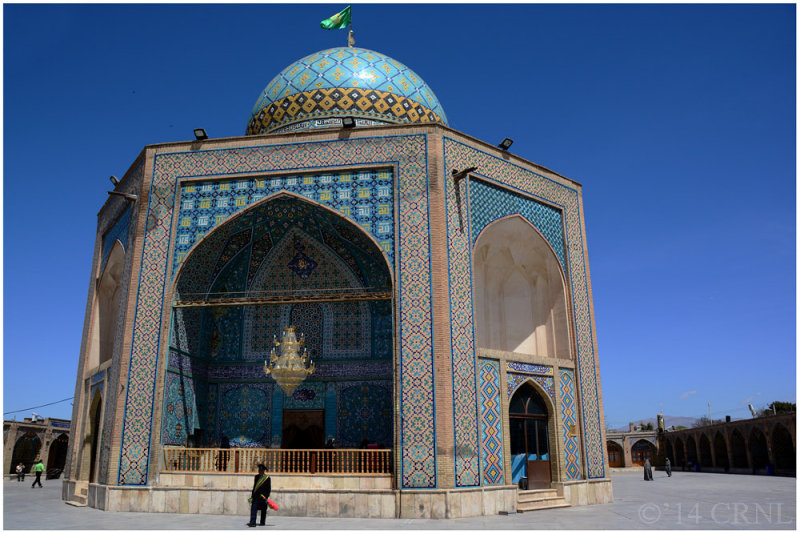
(506, 143)
(200, 134)
(126, 196)
(114, 180)
(348, 122)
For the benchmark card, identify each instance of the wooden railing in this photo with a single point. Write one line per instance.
(331, 461)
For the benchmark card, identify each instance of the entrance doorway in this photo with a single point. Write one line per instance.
(303, 429)
(530, 449)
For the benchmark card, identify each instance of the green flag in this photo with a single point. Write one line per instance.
(337, 21)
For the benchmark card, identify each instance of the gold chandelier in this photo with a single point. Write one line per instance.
(289, 368)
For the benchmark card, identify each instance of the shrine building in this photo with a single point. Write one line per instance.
(394, 316)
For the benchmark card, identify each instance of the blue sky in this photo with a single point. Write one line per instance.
(679, 121)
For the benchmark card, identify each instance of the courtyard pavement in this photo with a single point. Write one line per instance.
(687, 501)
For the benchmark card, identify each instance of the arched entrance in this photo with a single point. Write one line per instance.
(669, 452)
(705, 452)
(641, 451)
(720, 452)
(26, 450)
(616, 456)
(758, 450)
(57, 456)
(783, 451)
(691, 452)
(284, 261)
(530, 444)
(680, 453)
(738, 450)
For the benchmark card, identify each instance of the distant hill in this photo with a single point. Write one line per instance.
(669, 422)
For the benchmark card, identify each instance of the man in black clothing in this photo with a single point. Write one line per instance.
(258, 499)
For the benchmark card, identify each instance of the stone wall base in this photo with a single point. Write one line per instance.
(584, 492)
(207, 494)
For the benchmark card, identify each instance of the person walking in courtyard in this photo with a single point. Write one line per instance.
(648, 471)
(668, 468)
(258, 499)
(38, 468)
(20, 472)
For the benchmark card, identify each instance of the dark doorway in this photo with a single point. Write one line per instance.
(530, 450)
(303, 429)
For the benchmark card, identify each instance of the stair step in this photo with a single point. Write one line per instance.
(76, 503)
(531, 507)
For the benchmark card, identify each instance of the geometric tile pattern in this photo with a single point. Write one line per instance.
(514, 380)
(572, 459)
(337, 102)
(491, 424)
(365, 197)
(489, 203)
(408, 155)
(365, 412)
(462, 340)
(506, 175)
(365, 80)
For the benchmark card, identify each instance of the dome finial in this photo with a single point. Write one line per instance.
(350, 40)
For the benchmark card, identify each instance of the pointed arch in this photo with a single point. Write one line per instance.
(738, 450)
(105, 309)
(720, 451)
(533, 449)
(520, 291)
(616, 456)
(705, 451)
(783, 450)
(758, 449)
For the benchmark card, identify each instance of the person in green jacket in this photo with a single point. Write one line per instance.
(38, 468)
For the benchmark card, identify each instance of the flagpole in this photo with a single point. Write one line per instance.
(350, 39)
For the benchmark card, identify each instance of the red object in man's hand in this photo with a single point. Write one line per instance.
(272, 504)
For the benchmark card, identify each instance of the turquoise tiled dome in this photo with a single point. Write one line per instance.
(320, 89)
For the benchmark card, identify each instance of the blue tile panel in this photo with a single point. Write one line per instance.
(515, 380)
(365, 197)
(489, 203)
(491, 422)
(572, 454)
(408, 155)
(498, 189)
(344, 81)
(119, 232)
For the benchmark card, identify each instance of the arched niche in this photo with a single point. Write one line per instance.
(641, 451)
(616, 456)
(533, 449)
(106, 306)
(520, 292)
(26, 450)
(91, 440)
(720, 451)
(738, 450)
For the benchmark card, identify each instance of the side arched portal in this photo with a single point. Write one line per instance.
(616, 456)
(691, 451)
(57, 456)
(758, 450)
(705, 451)
(104, 312)
(91, 440)
(520, 293)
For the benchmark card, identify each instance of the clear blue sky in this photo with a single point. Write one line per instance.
(679, 121)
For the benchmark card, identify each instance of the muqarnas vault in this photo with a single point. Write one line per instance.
(441, 286)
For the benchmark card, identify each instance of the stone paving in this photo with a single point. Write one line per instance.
(687, 501)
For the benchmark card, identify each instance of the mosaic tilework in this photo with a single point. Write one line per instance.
(119, 232)
(491, 423)
(363, 79)
(494, 170)
(489, 203)
(364, 196)
(180, 410)
(244, 413)
(365, 412)
(514, 380)
(569, 420)
(531, 368)
(417, 469)
(462, 338)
